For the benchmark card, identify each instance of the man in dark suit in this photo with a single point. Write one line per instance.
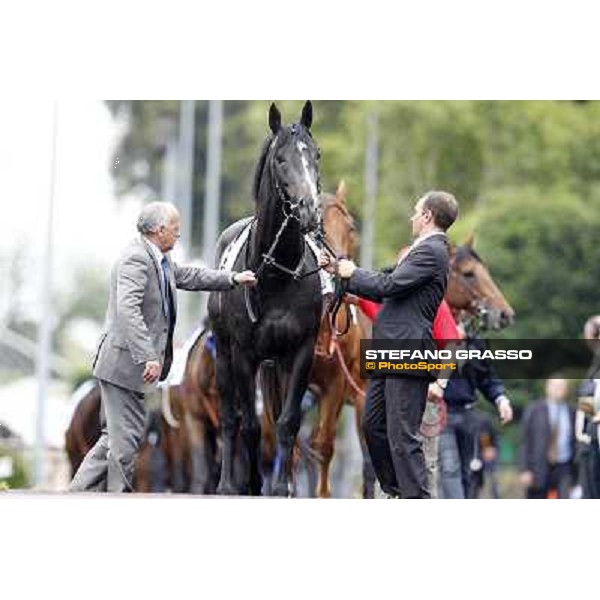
(411, 294)
(548, 443)
(136, 347)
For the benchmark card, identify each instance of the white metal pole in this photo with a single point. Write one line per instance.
(185, 197)
(213, 181)
(186, 173)
(46, 324)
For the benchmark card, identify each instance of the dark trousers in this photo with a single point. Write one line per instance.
(394, 408)
(559, 479)
(589, 465)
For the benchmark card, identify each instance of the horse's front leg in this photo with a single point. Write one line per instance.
(250, 426)
(229, 419)
(324, 439)
(288, 422)
(199, 456)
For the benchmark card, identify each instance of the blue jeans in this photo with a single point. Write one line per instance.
(457, 449)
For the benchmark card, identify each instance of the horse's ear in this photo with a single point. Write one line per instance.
(306, 118)
(342, 190)
(470, 241)
(274, 119)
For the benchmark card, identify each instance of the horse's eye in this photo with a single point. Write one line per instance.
(469, 274)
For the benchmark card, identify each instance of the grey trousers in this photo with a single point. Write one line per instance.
(109, 465)
(430, 450)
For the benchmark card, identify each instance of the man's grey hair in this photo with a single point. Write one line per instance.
(155, 215)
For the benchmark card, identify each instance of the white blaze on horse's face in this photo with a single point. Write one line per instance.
(311, 182)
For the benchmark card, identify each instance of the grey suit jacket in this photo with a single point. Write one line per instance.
(136, 329)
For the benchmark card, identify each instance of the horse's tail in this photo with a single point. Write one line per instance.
(271, 388)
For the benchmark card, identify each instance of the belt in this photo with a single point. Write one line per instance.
(459, 407)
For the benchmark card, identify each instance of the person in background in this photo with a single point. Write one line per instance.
(587, 417)
(548, 443)
(459, 441)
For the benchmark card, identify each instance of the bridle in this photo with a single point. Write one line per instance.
(475, 318)
(340, 285)
(290, 207)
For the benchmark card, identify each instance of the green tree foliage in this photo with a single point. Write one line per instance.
(543, 249)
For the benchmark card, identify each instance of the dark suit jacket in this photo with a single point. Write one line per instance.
(535, 442)
(411, 293)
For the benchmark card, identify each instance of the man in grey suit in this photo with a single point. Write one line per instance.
(411, 294)
(136, 347)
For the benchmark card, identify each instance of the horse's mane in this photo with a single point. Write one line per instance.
(260, 166)
(464, 252)
(328, 200)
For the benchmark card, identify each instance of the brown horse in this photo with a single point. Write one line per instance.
(187, 428)
(472, 293)
(84, 429)
(335, 376)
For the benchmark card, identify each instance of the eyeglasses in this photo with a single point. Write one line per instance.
(174, 232)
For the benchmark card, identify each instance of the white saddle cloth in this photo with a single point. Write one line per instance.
(234, 248)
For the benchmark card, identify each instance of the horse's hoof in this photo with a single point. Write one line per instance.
(227, 489)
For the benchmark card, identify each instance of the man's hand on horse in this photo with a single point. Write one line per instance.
(247, 278)
(151, 371)
(345, 268)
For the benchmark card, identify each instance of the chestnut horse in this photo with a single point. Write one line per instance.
(335, 376)
(84, 429)
(187, 428)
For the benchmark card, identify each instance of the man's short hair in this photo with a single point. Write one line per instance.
(591, 329)
(443, 207)
(155, 215)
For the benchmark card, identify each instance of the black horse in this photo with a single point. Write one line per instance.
(271, 328)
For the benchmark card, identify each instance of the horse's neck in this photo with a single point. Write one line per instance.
(269, 220)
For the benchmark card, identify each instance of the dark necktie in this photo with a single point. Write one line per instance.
(167, 299)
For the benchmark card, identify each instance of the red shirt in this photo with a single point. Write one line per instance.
(444, 326)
